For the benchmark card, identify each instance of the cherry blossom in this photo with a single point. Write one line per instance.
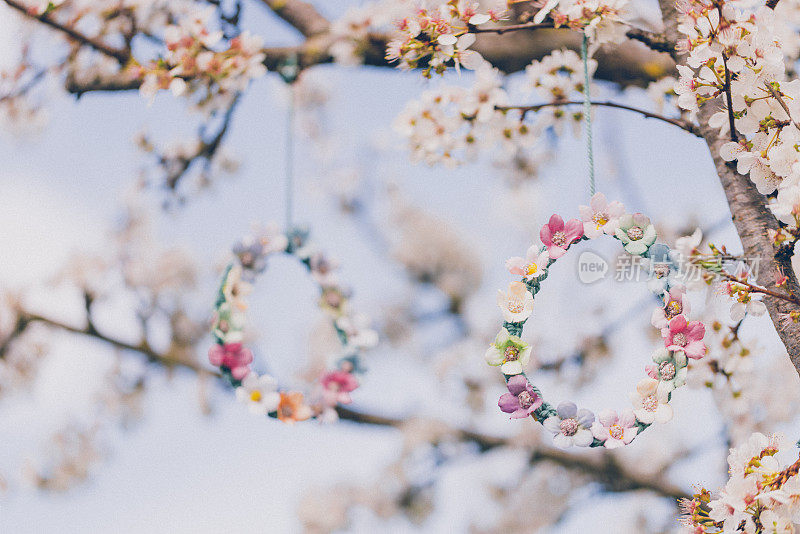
(292, 407)
(438, 37)
(670, 368)
(233, 357)
(337, 386)
(676, 303)
(636, 233)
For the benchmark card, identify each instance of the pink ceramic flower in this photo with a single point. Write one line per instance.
(521, 399)
(675, 303)
(533, 265)
(233, 356)
(685, 337)
(601, 216)
(557, 236)
(336, 387)
(613, 430)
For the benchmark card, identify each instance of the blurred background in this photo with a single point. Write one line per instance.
(113, 425)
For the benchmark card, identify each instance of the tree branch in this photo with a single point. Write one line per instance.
(167, 360)
(653, 41)
(303, 16)
(206, 150)
(604, 468)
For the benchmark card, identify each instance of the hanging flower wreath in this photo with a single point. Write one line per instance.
(683, 339)
(260, 392)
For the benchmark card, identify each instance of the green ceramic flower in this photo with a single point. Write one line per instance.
(670, 368)
(636, 233)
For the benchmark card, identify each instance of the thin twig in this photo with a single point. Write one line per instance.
(782, 102)
(610, 473)
(680, 123)
(27, 86)
(206, 150)
(728, 97)
(760, 289)
(123, 56)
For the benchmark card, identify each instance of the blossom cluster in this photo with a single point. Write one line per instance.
(751, 394)
(260, 392)
(762, 495)
(433, 38)
(682, 338)
(450, 124)
(603, 20)
(197, 61)
(740, 52)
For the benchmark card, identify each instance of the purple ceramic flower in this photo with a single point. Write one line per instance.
(521, 399)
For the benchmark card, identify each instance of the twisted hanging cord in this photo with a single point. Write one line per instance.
(587, 111)
(290, 71)
(290, 160)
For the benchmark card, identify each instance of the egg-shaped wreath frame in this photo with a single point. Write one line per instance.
(228, 353)
(683, 339)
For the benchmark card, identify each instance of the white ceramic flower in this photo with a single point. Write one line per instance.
(651, 401)
(571, 426)
(516, 303)
(259, 393)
